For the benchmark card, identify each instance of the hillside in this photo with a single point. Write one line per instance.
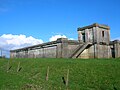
(81, 74)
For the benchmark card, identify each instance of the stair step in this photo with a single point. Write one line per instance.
(79, 50)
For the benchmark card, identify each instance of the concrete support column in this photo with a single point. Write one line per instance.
(26, 53)
(108, 36)
(95, 35)
(64, 47)
(86, 35)
(96, 50)
(116, 48)
(12, 55)
(59, 51)
(79, 36)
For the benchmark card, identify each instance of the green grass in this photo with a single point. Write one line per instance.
(84, 74)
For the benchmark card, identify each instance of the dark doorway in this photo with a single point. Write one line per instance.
(103, 34)
(113, 52)
(83, 37)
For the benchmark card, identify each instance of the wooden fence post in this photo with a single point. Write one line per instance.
(47, 75)
(8, 64)
(18, 68)
(67, 79)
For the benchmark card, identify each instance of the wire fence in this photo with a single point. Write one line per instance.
(4, 53)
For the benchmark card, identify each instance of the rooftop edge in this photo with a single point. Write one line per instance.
(94, 25)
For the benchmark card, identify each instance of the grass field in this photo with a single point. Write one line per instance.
(84, 74)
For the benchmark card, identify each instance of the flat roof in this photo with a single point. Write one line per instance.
(94, 25)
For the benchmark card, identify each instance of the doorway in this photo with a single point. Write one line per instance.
(83, 37)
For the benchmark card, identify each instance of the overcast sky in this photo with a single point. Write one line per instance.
(29, 22)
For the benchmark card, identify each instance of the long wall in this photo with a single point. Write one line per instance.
(40, 51)
(61, 48)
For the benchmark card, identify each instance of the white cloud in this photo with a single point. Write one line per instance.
(118, 38)
(10, 42)
(71, 39)
(54, 38)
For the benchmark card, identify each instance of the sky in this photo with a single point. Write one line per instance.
(30, 22)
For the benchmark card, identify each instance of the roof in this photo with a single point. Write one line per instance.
(94, 25)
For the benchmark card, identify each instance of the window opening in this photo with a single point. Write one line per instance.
(102, 33)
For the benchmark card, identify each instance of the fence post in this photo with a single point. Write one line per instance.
(8, 64)
(18, 68)
(67, 79)
(47, 75)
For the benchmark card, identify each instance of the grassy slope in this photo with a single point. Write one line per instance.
(89, 74)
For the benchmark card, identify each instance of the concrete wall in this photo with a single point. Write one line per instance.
(50, 51)
(71, 48)
(61, 48)
(97, 51)
(116, 45)
(101, 35)
(94, 33)
(84, 54)
(88, 35)
(103, 51)
(87, 53)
